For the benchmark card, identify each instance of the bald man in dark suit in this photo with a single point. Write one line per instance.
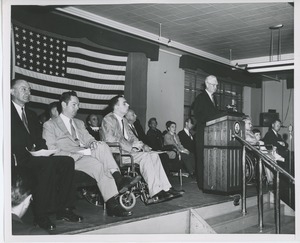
(205, 108)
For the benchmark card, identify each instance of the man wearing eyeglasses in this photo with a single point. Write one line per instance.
(205, 108)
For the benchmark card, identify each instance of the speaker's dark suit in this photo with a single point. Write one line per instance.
(204, 110)
(53, 188)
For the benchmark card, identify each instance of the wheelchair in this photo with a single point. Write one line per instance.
(140, 190)
(251, 167)
(251, 163)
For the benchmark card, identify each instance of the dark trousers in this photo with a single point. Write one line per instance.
(170, 165)
(53, 188)
(189, 162)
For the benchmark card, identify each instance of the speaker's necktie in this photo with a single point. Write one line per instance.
(214, 99)
(24, 119)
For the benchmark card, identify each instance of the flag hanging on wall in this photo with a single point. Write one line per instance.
(54, 65)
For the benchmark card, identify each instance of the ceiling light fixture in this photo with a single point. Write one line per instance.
(159, 35)
(274, 28)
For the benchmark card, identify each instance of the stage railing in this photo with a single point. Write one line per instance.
(263, 158)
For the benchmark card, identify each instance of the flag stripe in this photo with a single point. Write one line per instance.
(65, 87)
(56, 90)
(94, 64)
(96, 54)
(82, 100)
(44, 106)
(95, 70)
(74, 80)
(88, 107)
(94, 80)
(96, 60)
(103, 50)
(94, 75)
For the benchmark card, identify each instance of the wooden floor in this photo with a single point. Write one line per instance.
(95, 217)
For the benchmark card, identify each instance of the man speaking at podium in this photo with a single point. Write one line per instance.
(205, 108)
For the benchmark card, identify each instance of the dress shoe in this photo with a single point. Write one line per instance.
(127, 182)
(118, 211)
(162, 196)
(68, 215)
(44, 223)
(175, 192)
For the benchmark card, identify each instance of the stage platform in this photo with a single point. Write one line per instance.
(95, 218)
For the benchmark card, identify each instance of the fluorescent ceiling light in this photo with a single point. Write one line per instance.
(270, 69)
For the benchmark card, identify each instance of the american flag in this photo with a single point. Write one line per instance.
(54, 65)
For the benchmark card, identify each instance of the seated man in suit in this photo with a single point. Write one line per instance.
(186, 138)
(53, 190)
(116, 129)
(136, 128)
(69, 136)
(154, 135)
(274, 138)
(92, 125)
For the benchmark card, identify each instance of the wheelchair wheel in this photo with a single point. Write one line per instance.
(250, 169)
(127, 200)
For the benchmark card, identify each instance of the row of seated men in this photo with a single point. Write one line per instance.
(53, 190)
(271, 141)
(179, 149)
(272, 137)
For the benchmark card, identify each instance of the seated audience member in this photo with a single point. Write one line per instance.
(156, 142)
(53, 110)
(131, 119)
(274, 138)
(250, 137)
(69, 137)
(138, 131)
(93, 126)
(166, 131)
(185, 136)
(154, 135)
(116, 129)
(257, 135)
(268, 172)
(171, 138)
(53, 190)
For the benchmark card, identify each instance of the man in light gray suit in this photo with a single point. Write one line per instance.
(116, 129)
(69, 136)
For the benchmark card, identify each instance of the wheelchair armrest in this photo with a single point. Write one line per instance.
(117, 145)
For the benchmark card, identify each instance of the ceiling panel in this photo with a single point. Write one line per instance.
(214, 28)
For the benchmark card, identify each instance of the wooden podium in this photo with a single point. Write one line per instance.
(223, 154)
